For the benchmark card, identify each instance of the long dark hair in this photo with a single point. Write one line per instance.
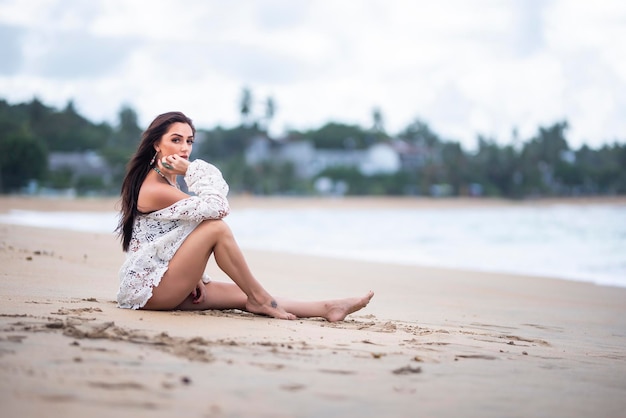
(138, 168)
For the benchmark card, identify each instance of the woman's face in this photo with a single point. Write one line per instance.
(177, 140)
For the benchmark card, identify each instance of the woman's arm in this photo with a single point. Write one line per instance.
(210, 189)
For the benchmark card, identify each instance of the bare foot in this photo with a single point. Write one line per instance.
(270, 308)
(339, 309)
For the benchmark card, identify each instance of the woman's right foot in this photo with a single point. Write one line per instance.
(269, 308)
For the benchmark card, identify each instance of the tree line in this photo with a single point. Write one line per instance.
(539, 166)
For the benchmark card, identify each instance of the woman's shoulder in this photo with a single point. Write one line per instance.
(155, 196)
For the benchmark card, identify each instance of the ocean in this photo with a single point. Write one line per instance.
(573, 242)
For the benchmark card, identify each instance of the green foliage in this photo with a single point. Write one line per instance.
(270, 179)
(60, 179)
(495, 168)
(339, 136)
(544, 165)
(361, 185)
(121, 144)
(457, 164)
(22, 158)
(263, 179)
(222, 143)
(419, 133)
(127, 133)
(88, 184)
(603, 171)
(65, 130)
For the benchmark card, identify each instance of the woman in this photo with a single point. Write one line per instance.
(168, 236)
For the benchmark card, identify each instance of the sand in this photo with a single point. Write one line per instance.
(433, 342)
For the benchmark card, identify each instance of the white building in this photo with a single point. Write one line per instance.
(380, 158)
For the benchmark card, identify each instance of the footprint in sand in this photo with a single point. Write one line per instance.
(117, 386)
(407, 370)
(76, 311)
(475, 356)
(293, 387)
(513, 338)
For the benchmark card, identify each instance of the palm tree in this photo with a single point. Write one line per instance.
(270, 111)
(377, 117)
(245, 106)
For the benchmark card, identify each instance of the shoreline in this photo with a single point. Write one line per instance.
(337, 204)
(90, 204)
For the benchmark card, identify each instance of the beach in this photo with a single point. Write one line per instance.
(432, 342)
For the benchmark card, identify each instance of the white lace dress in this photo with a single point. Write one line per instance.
(157, 235)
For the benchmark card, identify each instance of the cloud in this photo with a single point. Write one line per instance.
(281, 14)
(232, 60)
(72, 54)
(10, 49)
(529, 26)
(465, 68)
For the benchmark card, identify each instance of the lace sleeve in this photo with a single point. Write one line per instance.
(205, 179)
(209, 202)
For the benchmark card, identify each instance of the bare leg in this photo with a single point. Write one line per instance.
(189, 262)
(229, 296)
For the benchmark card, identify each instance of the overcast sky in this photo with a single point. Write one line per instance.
(464, 67)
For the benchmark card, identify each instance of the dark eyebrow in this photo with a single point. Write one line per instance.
(177, 134)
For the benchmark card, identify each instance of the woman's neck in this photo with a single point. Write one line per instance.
(171, 182)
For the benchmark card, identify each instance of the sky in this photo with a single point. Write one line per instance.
(466, 68)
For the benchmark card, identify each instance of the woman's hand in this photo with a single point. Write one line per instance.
(174, 164)
(199, 293)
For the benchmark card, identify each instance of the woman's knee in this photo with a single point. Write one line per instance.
(215, 227)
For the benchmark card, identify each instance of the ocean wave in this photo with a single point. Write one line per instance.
(582, 243)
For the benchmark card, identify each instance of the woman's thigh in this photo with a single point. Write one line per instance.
(186, 267)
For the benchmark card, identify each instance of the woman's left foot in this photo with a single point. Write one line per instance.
(339, 309)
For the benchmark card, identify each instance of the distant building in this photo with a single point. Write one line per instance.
(380, 158)
(412, 156)
(81, 164)
(308, 161)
